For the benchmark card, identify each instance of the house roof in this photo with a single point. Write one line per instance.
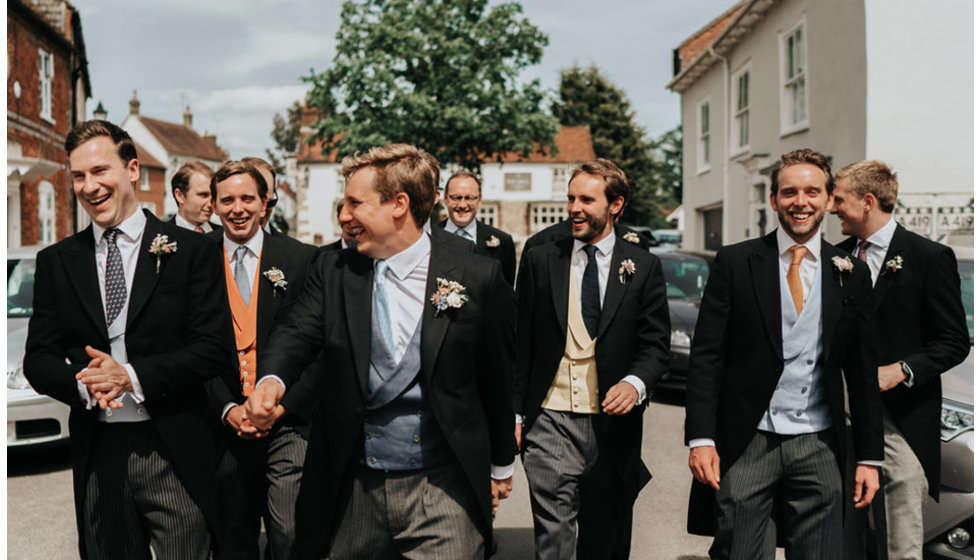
(146, 160)
(182, 140)
(701, 51)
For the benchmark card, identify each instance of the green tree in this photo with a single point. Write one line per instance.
(285, 132)
(667, 172)
(438, 74)
(586, 97)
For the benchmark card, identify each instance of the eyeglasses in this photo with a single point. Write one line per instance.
(461, 198)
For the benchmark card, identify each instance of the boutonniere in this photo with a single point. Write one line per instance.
(162, 246)
(493, 241)
(893, 265)
(626, 269)
(277, 278)
(844, 267)
(449, 294)
(631, 237)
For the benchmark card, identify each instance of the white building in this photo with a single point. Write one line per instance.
(870, 79)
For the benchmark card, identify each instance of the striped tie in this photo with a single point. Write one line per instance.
(115, 279)
(793, 277)
(464, 234)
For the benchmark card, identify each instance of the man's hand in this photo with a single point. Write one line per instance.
(620, 399)
(238, 421)
(705, 465)
(105, 378)
(890, 376)
(865, 485)
(518, 432)
(500, 490)
(261, 406)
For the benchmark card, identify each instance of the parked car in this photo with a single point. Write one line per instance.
(668, 238)
(32, 419)
(686, 274)
(948, 525)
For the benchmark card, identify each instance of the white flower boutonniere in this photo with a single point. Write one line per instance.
(631, 237)
(893, 265)
(162, 246)
(493, 241)
(626, 269)
(277, 278)
(449, 294)
(844, 267)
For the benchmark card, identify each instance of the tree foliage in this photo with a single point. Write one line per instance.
(285, 132)
(438, 74)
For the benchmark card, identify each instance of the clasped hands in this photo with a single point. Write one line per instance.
(105, 378)
(261, 410)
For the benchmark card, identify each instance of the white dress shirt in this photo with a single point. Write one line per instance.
(180, 221)
(469, 229)
(407, 275)
(878, 243)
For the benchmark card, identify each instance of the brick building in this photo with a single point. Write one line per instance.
(47, 86)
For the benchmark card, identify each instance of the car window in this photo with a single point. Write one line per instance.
(966, 291)
(20, 288)
(685, 275)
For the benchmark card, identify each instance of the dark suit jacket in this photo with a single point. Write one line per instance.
(504, 251)
(737, 357)
(335, 246)
(214, 227)
(919, 319)
(467, 375)
(563, 230)
(295, 260)
(633, 338)
(176, 340)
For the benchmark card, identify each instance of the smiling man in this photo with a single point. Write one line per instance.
(129, 323)
(412, 443)
(592, 339)
(781, 318)
(191, 186)
(464, 195)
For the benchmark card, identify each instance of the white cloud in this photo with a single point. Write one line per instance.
(276, 47)
(245, 99)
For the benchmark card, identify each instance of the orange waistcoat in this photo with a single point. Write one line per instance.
(245, 319)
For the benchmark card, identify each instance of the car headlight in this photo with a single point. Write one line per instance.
(954, 419)
(16, 379)
(680, 339)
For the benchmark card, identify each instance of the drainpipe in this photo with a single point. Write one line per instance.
(724, 144)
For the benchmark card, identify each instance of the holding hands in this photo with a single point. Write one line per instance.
(105, 378)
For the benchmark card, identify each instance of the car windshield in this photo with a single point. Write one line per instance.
(686, 275)
(966, 289)
(20, 288)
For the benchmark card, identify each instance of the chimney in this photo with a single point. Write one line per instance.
(100, 112)
(134, 105)
(188, 118)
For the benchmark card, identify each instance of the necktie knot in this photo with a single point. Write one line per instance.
(464, 234)
(111, 235)
(798, 253)
(240, 253)
(590, 251)
(863, 250)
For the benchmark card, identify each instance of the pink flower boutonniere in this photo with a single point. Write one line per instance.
(844, 267)
(626, 269)
(449, 294)
(161, 246)
(277, 278)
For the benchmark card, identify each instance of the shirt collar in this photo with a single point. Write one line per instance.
(883, 237)
(470, 228)
(180, 221)
(254, 244)
(785, 243)
(131, 227)
(403, 263)
(604, 246)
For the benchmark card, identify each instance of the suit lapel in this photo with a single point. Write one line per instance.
(434, 326)
(146, 277)
(358, 277)
(886, 277)
(79, 261)
(830, 296)
(481, 239)
(614, 288)
(269, 297)
(764, 265)
(559, 263)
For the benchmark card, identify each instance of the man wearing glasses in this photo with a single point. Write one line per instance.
(463, 197)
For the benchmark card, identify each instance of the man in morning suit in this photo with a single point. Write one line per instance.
(563, 230)
(130, 321)
(259, 471)
(919, 331)
(419, 339)
(781, 317)
(463, 197)
(191, 187)
(269, 174)
(593, 333)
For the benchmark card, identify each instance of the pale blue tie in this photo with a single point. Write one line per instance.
(464, 234)
(381, 310)
(241, 275)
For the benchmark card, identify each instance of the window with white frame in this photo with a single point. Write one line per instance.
(704, 135)
(488, 214)
(740, 111)
(794, 98)
(45, 66)
(45, 212)
(144, 179)
(559, 179)
(544, 214)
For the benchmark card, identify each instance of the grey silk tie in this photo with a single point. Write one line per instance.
(115, 279)
(381, 309)
(241, 275)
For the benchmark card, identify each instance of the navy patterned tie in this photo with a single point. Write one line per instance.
(115, 279)
(591, 307)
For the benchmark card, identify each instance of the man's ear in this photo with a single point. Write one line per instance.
(180, 197)
(133, 167)
(616, 206)
(401, 205)
(870, 202)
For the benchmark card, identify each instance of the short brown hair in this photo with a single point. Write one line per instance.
(795, 157)
(466, 174)
(232, 168)
(182, 178)
(400, 168)
(875, 177)
(261, 164)
(93, 129)
(618, 183)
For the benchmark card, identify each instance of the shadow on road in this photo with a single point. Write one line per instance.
(514, 543)
(26, 462)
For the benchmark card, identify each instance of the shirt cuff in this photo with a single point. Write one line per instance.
(274, 377)
(518, 418)
(871, 463)
(701, 442)
(86, 396)
(501, 473)
(637, 384)
(908, 371)
(135, 382)
(224, 411)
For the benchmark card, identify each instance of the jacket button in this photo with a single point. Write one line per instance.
(415, 438)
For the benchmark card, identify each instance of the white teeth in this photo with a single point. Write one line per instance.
(97, 201)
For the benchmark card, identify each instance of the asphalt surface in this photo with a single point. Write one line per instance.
(41, 517)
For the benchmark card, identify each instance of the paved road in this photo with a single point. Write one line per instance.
(41, 524)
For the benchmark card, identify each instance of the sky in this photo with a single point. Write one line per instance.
(237, 63)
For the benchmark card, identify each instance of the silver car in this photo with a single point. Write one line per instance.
(32, 419)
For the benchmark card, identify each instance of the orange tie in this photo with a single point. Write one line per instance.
(793, 277)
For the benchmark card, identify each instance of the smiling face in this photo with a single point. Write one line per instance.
(800, 200)
(368, 220)
(239, 206)
(851, 209)
(591, 214)
(195, 204)
(463, 200)
(103, 182)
